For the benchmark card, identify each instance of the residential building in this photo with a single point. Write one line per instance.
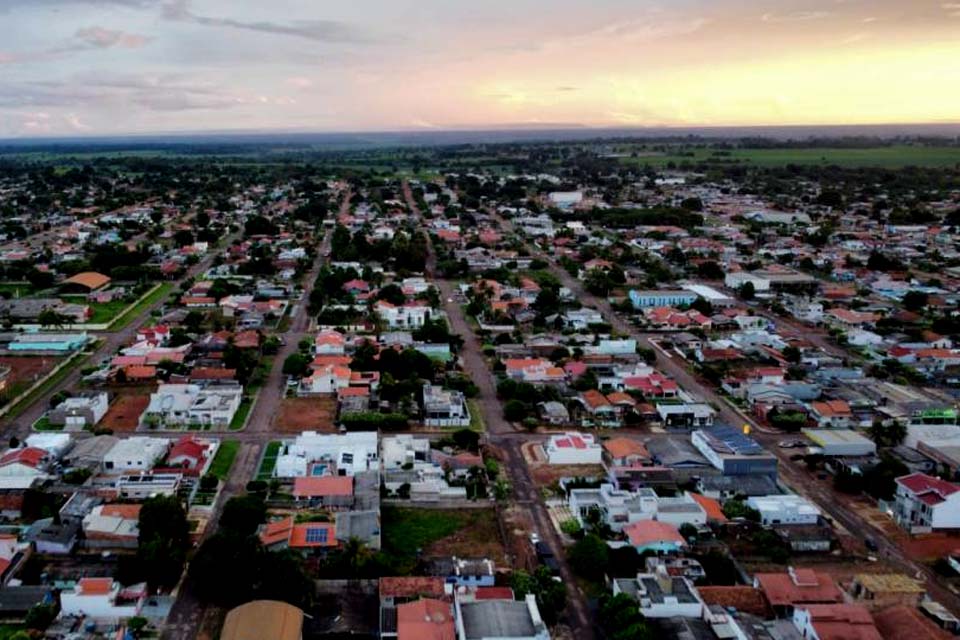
(191, 404)
(339, 454)
(141, 486)
(783, 509)
(797, 587)
(81, 411)
(499, 619)
(620, 508)
(326, 491)
(664, 298)
(137, 453)
(444, 407)
(263, 619)
(661, 595)
(686, 415)
(829, 621)
(573, 448)
(656, 536)
(925, 503)
(406, 316)
(426, 619)
(102, 599)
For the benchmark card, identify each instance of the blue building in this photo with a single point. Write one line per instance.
(59, 342)
(651, 299)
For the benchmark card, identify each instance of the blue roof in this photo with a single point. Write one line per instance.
(733, 440)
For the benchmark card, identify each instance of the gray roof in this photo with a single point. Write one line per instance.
(357, 524)
(497, 619)
(672, 451)
(20, 599)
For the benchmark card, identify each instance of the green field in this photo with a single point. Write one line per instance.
(222, 462)
(100, 312)
(891, 157)
(240, 417)
(406, 530)
(43, 424)
(269, 461)
(144, 303)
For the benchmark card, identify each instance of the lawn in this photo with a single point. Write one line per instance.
(100, 312)
(269, 461)
(476, 417)
(891, 157)
(226, 454)
(240, 417)
(405, 531)
(146, 301)
(17, 290)
(43, 424)
(7, 631)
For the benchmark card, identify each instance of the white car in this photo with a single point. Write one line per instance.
(534, 538)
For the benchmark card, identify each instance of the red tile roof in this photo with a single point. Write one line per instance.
(928, 489)
(842, 622)
(323, 486)
(408, 587)
(802, 586)
(95, 586)
(29, 456)
(648, 532)
(426, 619)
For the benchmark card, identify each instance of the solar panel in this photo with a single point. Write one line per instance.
(317, 535)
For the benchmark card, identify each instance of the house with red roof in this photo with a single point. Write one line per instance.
(832, 414)
(426, 619)
(311, 537)
(324, 491)
(654, 535)
(924, 503)
(329, 343)
(326, 379)
(835, 622)
(24, 461)
(191, 453)
(797, 587)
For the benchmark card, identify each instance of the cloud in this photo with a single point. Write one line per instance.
(300, 82)
(7, 5)
(795, 16)
(101, 38)
(316, 30)
(75, 123)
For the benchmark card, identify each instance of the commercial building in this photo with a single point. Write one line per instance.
(733, 452)
(789, 509)
(666, 298)
(841, 442)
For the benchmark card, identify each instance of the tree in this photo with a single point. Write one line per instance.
(588, 557)
(163, 540)
(515, 410)
(738, 509)
(183, 238)
(136, 625)
(39, 616)
(621, 619)
(52, 318)
(887, 435)
(40, 279)
(296, 364)
(915, 300)
(551, 595)
(467, 439)
(243, 514)
(747, 291)
(791, 354)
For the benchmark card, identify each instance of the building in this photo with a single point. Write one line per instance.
(262, 619)
(87, 281)
(500, 620)
(879, 590)
(573, 448)
(338, 454)
(835, 621)
(444, 407)
(835, 414)
(56, 342)
(141, 486)
(841, 443)
(137, 453)
(651, 535)
(785, 509)
(426, 619)
(686, 415)
(80, 411)
(112, 525)
(797, 587)
(661, 595)
(102, 599)
(665, 298)
(733, 452)
(406, 316)
(924, 503)
(620, 508)
(191, 404)
(24, 462)
(327, 491)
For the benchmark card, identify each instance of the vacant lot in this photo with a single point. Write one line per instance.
(306, 414)
(545, 475)
(124, 414)
(25, 370)
(441, 533)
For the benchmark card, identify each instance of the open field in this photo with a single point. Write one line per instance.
(124, 413)
(222, 462)
(441, 533)
(157, 294)
(306, 414)
(887, 157)
(25, 370)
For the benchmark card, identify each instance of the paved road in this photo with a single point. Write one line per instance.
(112, 341)
(503, 435)
(791, 474)
(187, 614)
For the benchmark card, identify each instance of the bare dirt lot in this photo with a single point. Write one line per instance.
(25, 370)
(124, 413)
(306, 414)
(545, 475)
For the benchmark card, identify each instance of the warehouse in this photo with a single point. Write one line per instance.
(841, 442)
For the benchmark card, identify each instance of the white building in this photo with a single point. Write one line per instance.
(344, 454)
(573, 448)
(80, 411)
(620, 508)
(102, 599)
(396, 451)
(784, 509)
(137, 453)
(566, 199)
(55, 444)
(924, 503)
(737, 279)
(406, 316)
(140, 486)
(661, 595)
(184, 404)
(444, 407)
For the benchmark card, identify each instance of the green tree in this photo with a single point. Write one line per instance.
(296, 364)
(243, 514)
(747, 291)
(163, 540)
(588, 557)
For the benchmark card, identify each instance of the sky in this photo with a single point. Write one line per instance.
(103, 67)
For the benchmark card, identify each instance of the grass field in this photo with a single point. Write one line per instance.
(240, 417)
(226, 454)
(885, 157)
(437, 530)
(269, 461)
(43, 424)
(100, 312)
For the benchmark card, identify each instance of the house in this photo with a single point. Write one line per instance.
(137, 453)
(534, 370)
(661, 595)
(403, 316)
(686, 415)
(620, 508)
(733, 452)
(924, 503)
(262, 619)
(797, 587)
(625, 452)
(343, 454)
(193, 454)
(89, 453)
(598, 410)
(879, 590)
(24, 461)
(656, 536)
(80, 411)
(324, 491)
(329, 343)
(835, 414)
(664, 298)
(140, 486)
(54, 538)
(464, 572)
(444, 407)
(286, 533)
(573, 448)
(102, 599)
(553, 413)
(426, 619)
(112, 525)
(191, 404)
(325, 379)
(835, 621)
(501, 619)
(781, 509)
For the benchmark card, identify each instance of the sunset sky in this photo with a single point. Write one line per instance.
(72, 67)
